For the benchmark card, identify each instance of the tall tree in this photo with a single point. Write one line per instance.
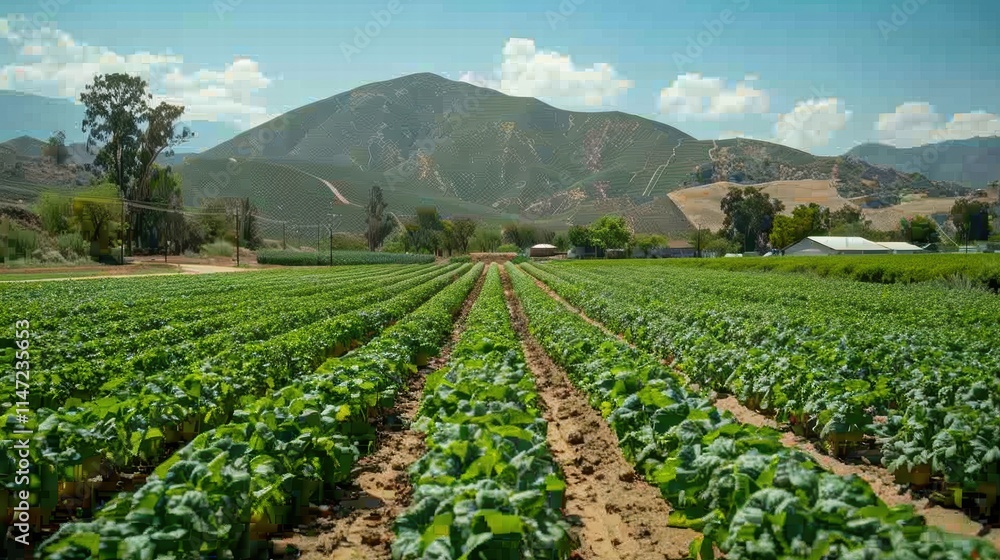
(117, 106)
(487, 240)
(806, 220)
(750, 216)
(783, 232)
(129, 133)
(580, 236)
(846, 215)
(94, 211)
(920, 229)
(972, 219)
(522, 235)
(55, 148)
(611, 232)
(424, 232)
(378, 224)
(465, 228)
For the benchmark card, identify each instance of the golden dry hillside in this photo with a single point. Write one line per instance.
(701, 204)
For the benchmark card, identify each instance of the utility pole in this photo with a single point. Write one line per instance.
(237, 238)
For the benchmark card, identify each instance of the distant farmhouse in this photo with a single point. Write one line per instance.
(824, 245)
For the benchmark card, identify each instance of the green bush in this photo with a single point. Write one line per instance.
(519, 259)
(320, 258)
(508, 248)
(460, 259)
(218, 249)
(72, 245)
(21, 243)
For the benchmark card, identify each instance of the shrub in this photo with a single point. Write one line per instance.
(508, 248)
(218, 249)
(321, 258)
(72, 245)
(460, 259)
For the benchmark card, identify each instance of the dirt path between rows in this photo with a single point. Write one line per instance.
(360, 526)
(616, 515)
(880, 480)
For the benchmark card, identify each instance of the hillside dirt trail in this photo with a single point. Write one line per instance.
(880, 480)
(336, 193)
(360, 525)
(616, 515)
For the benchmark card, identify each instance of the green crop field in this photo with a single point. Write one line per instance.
(978, 269)
(418, 410)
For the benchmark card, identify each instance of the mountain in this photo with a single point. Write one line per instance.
(471, 151)
(974, 162)
(25, 146)
(23, 114)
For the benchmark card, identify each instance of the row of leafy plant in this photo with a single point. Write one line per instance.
(120, 434)
(487, 487)
(224, 492)
(750, 497)
(322, 258)
(71, 364)
(914, 367)
(978, 269)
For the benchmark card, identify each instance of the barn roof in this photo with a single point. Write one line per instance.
(900, 246)
(847, 243)
(544, 246)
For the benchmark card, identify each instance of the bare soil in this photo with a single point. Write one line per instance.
(616, 514)
(492, 257)
(360, 525)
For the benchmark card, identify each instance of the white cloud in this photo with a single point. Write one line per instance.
(52, 63)
(696, 97)
(916, 123)
(528, 72)
(811, 123)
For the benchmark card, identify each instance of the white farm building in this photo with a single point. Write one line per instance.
(824, 245)
(901, 248)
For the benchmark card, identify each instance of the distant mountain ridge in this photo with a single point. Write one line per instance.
(475, 151)
(974, 162)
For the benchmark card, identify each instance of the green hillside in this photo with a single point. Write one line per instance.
(471, 151)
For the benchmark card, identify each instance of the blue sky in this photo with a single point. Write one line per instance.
(820, 76)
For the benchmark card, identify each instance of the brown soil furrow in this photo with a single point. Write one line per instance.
(880, 480)
(361, 524)
(617, 515)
